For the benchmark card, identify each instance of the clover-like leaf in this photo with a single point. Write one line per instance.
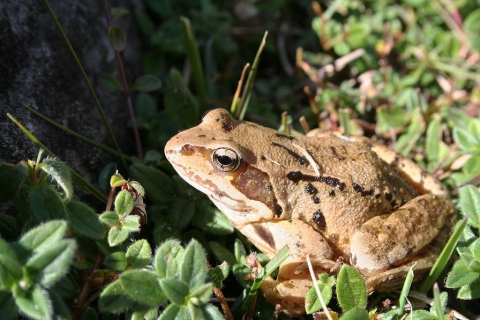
(351, 289)
(168, 257)
(142, 286)
(84, 221)
(114, 299)
(139, 254)
(44, 235)
(116, 235)
(117, 38)
(194, 265)
(60, 173)
(124, 203)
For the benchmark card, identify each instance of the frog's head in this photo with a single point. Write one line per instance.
(217, 158)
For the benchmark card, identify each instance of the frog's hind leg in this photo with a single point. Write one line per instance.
(387, 241)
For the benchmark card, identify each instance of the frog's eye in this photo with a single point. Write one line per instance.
(225, 159)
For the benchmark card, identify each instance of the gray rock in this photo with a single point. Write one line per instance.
(36, 69)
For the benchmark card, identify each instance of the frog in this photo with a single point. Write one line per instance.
(327, 195)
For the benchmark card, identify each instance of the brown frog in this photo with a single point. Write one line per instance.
(326, 195)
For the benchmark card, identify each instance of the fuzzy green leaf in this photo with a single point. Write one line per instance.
(116, 235)
(218, 274)
(158, 186)
(147, 83)
(180, 105)
(110, 218)
(470, 291)
(470, 204)
(124, 203)
(181, 212)
(117, 38)
(12, 178)
(33, 302)
(222, 253)
(356, 314)
(167, 258)
(84, 221)
(10, 267)
(351, 289)
(118, 12)
(116, 261)
(51, 263)
(467, 141)
(117, 180)
(194, 265)
(432, 143)
(325, 284)
(60, 310)
(44, 203)
(142, 286)
(131, 223)
(114, 299)
(461, 275)
(8, 226)
(175, 290)
(201, 295)
(60, 173)
(43, 236)
(139, 254)
(174, 311)
(211, 220)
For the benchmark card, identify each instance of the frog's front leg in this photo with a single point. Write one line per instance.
(290, 288)
(386, 241)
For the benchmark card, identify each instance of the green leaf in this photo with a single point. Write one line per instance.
(139, 254)
(467, 141)
(201, 294)
(51, 263)
(470, 204)
(60, 173)
(147, 83)
(351, 289)
(432, 143)
(12, 179)
(470, 291)
(325, 284)
(142, 286)
(276, 261)
(472, 31)
(110, 218)
(158, 186)
(116, 261)
(124, 203)
(194, 265)
(118, 12)
(114, 299)
(175, 290)
(60, 310)
(131, 223)
(222, 253)
(174, 311)
(180, 105)
(8, 226)
(144, 313)
(44, 236)
(460, 275)
(33, 302)
(181, 212)
(117, 180)
(111, 82)
(209, 312)
(84, 221)
(9, 265)
(8, 308)
(117, 38)
(356, 314)
(405, 290)
(211, 220)
(167, 258)
(116, 235)
(44, 203)
(407, 141)
(218, 274)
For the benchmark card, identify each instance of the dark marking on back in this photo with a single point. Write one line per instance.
(227, 126)
(297, 176)
(201, 136)
(332, 193)
(388, 196)
(281, 135)
(319, 219)
(278, 209)
(310, 189)
(315, 199)
(361, 190)
(265, 235)
(302, 160)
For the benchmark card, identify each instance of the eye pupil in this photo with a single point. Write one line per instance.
(225, 159)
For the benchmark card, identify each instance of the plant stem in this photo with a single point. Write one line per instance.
(126, 89)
